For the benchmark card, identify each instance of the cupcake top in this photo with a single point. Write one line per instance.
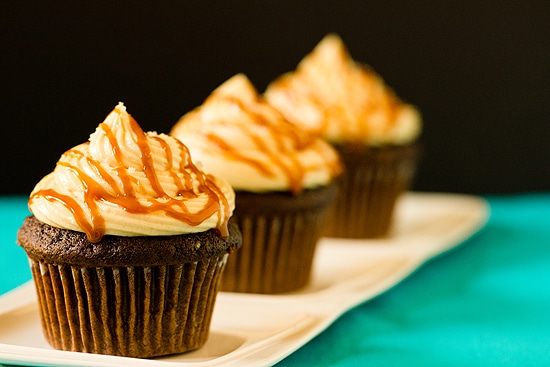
(239, 136)
(344, 101)
(126, 182)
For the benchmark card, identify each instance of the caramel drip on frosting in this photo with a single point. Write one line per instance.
(238, 135)
(89, 217)
(332, 95)
(287, 140)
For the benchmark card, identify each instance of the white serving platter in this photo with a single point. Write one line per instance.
(260, 330)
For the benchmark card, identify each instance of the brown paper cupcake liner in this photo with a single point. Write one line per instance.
(134, 311)
(280, 234)
(369, 188)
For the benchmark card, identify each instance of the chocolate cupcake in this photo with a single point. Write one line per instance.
(284, 181)
(376, 134)
(127, 242)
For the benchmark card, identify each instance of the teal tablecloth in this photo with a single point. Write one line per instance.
(486, 303)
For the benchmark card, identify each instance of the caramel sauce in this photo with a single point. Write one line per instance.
(88, 216)
(379, 101)
(237, 155)
(287, 137)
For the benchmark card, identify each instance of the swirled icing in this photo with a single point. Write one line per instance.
(344, 101)
(126, 182)
(237, 135)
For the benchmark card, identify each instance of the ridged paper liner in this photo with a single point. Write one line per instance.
(278, 243)
(369, 187)
(127, 311)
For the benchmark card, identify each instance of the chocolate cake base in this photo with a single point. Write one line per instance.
(280, 233)
(97, 304)
(372, 181)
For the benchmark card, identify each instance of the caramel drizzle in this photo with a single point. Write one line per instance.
(384, 101)
(88, 216)
(279, 131)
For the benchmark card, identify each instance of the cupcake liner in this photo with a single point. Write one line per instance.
(280, 234)
(133, 311)
(369, 187)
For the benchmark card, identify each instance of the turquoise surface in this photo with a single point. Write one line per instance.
(14, 268)
(486, 303)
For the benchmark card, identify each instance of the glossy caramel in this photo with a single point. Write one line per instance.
(122, 192)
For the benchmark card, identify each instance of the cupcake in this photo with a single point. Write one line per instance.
(284, 180)
(127, 241)
(376, 134)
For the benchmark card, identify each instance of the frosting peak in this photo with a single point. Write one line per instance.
(332, 95)
(237, 87)
(236, 134)
(130, 183)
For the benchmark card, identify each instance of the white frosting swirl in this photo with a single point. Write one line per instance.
(332, 95)
(235, 134)
(129, 183)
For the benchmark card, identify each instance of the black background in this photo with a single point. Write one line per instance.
(478, 70)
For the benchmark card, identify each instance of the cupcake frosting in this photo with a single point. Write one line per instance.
(239, 136)
(344, 101)
(126, 182)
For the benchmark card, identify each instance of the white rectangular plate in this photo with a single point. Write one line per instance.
(260, 330)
